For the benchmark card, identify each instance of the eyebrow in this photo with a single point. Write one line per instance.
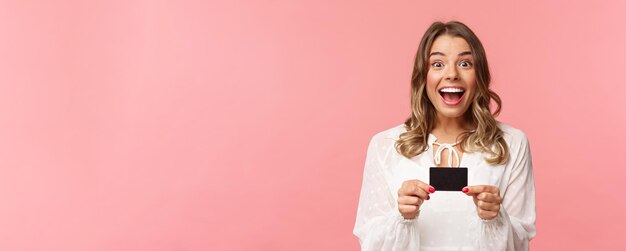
(441, 53)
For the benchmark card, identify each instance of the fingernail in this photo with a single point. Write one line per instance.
(465, 190)
(431, 190)
(427, 197)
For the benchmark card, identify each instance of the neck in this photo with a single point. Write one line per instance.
(447, 129)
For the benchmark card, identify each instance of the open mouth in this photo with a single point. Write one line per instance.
(451, 95)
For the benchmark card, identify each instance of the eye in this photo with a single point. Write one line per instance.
(465, 64)
(437, 64)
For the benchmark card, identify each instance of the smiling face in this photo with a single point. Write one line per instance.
(451, 78)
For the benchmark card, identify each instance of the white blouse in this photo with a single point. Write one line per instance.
(448, 221)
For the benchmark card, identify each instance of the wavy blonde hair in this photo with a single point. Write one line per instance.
(486, 137)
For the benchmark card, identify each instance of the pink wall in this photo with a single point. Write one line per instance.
(243, 125)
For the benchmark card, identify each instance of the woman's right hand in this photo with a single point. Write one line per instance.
(411, 195)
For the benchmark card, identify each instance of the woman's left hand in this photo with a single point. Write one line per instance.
(487, 200)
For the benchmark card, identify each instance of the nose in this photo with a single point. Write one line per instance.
(452, 73)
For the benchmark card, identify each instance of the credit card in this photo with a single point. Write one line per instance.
(448, 178)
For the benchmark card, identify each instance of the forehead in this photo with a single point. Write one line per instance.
(449, 45)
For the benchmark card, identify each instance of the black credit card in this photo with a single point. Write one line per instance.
(448, 178)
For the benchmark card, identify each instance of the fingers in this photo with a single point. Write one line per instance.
(487, 200)
(410, 200)
(409, 205)
(475, 190)
(488, 206)
(408, 211)
(487, 215)
(411, 196)
(415, 188)
(427, 188)
(487, 210)
(489, 197)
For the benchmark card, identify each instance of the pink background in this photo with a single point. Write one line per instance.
(243, 125)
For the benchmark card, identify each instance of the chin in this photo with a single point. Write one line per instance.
(452, 113)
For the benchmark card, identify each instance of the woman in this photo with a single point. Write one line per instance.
(451, 125)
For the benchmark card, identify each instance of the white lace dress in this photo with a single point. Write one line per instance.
(448, 221)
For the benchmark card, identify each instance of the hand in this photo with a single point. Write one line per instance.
(487, 200)
(411, 195)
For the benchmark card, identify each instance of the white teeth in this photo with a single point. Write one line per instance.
(450, 89)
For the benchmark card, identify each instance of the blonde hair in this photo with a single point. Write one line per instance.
(486, 137)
